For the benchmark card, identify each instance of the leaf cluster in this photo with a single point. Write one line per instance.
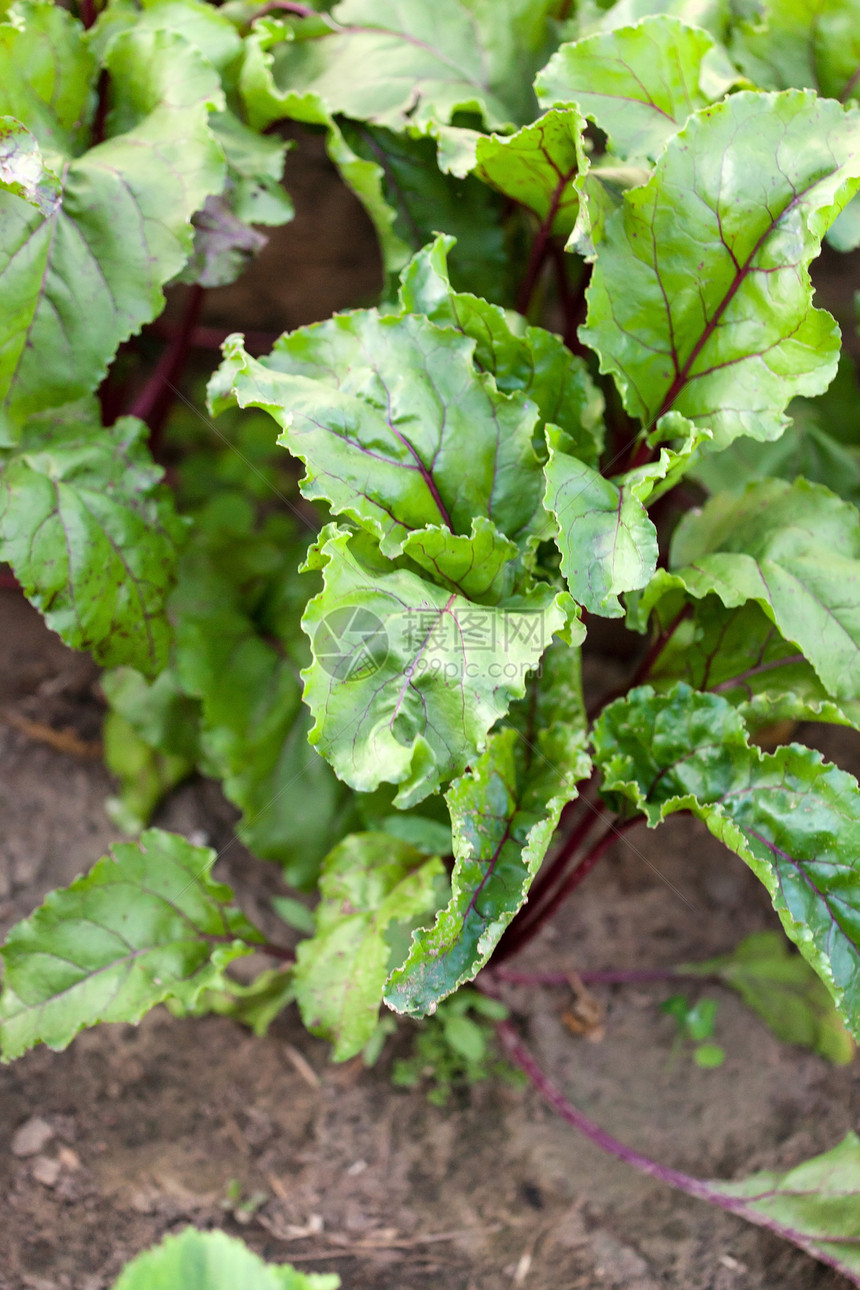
(361, 605)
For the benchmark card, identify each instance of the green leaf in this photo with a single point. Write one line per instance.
(739, 653)
(814, 1205)
(255, 167)
(638, 84)
(151, 738)
(22, 170)
(794, 819)
(239, 650)
(213, 1261)
(255, 1005)
(408, 678)
(396, 429)
(714, 16)
(803, 46)
(92, 535)
(607, 542)
(794, 549)
(819, 444)
(253, 193)
(146, 923)
(503, 815)
(203, 26)
(420, 201)
(520, 358)
(369, 881)
(536, 167)
(405, 69)
(79, 282)
(265, 101)
(47, 75)
(728, 335)
(409, 66)
(782, 988)
(601, 190)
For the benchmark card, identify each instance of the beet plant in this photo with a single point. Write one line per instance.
(595, 385)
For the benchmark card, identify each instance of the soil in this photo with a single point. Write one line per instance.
(149, 1128)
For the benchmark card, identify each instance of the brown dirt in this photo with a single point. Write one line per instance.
(150, 1124)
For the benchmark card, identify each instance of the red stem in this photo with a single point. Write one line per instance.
(277, 952)
(549, 907)
(8, 581)
(699, 1188)
(155, 399)
(214, 337)
(521, 932)
(87, 13)
(644, 668)
(572, 302)
(547, 878)
(537, 259)
(100, 117)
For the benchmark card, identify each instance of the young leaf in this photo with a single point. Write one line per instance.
(814, 1205)
(409, 67)
(266, 100)
(369, 881)
(537, 166)
(714, 16)
(520, 358)
(601, 190)
(80, 281)
(792, 548)
(638, 84)
(146, 923)
(203, 26)
(396, 429)
(740, 654)
(503, 815)
(794, 819)
(151, 738)
(782, 988)
(92, 535)
(803, 46)
(46, 75)
(728, 335)
(819, 444)
(408, 678)
(22, 170)
(607, 542)
(213, 1261)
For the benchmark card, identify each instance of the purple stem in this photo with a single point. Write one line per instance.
(541, 246)
(520, 1055)
(529, 928)
(87, 11)
(548, 878)
(214, 337)
(155, 399)
(276, 952)
(8, 581)
(572, 302)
